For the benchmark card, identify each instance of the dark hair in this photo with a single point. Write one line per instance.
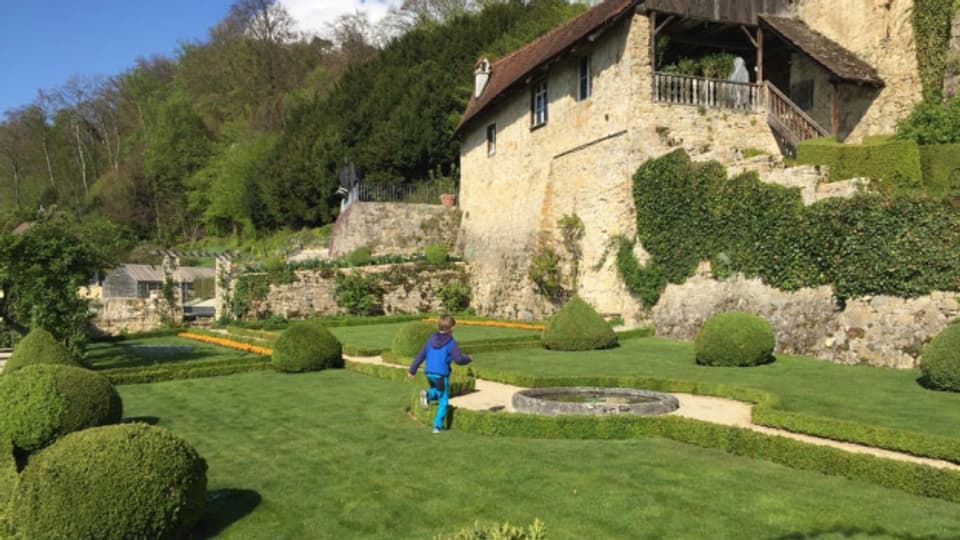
(446, 323)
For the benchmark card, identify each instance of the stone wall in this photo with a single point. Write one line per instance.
(119, 315)
(880, 32)
(408, 288)
(880, 331)
(393, 228)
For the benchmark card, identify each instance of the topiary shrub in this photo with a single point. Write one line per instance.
(410, 338)
(360, 256)
(940, 361)
(734, 338)
(41, 403)
(436, 253)
(578, 327)
(115, 482)
(8, 474)
(306, 346)
(39, 347)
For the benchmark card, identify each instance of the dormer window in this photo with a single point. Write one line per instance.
(538, 104)
(585, 81)
(482, 76)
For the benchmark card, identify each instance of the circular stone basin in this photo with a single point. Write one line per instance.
(593, 401)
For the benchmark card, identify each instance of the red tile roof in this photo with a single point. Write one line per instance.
(514, 68)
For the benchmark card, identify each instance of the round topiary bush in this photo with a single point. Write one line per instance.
(578, 327)
(940, 361)
(409, 339)
(39, 347)
(306, 347)
(734, 338)
(115, 482)
(8, 474)
(41, 403)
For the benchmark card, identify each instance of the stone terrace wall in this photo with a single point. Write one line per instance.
(408, 288)
(880, 331)
(394, 228)
(131, 315)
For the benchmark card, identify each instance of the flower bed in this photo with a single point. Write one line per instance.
(223, 342)
(498, 324)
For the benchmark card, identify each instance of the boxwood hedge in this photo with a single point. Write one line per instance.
(734, 338)
(39, 347)
(578, 327)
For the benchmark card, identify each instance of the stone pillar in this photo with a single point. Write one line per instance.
(174, 307)
(223, 289)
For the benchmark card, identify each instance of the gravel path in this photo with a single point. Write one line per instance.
(494, 396)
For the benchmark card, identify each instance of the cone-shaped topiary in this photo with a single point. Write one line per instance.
(409, 339)
(306, 346)
(940, 362)
(114, 482)
(41, 403)
(39, 347)
(734, 338)
(578, 327)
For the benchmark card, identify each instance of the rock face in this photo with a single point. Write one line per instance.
(879, 331)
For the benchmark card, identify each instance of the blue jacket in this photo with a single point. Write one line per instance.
(439, 351)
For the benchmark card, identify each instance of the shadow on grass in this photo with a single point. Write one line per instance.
(855, 532)
(149, 420)
(127, 355)
(224, 508)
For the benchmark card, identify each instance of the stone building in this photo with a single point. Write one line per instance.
(558, 126)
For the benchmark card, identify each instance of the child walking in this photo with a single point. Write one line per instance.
(439, 350)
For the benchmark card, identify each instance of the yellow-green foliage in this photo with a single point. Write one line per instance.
(578, 327)
(111, 483)
(734, 338)
(893, 163)
(410, 338)
(39, 404)
(39, 347)
(941, 168)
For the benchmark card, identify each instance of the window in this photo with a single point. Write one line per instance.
(538, 108)
(585, 83)
(491, 139)
(801, 93)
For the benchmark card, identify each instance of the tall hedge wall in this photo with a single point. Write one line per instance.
(869, 244)
(894, 163)
(941, 168)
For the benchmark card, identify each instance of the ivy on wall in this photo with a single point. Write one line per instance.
(869, 244)
(931, 27)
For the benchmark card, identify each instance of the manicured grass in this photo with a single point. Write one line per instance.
(333, 455)
(869, 395)
(155, 351)
(381, 335)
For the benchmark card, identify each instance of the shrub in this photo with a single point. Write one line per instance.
(436, 253)
(503, 531)
(8, 473)
(578, 327)
(360, 256)
(358, 293)
(932, 122)
(940, 362)
(306, 346)
(894, 163)
(116, 482)
(40, 403)
(410, 338)
(455, 295)
(734, 338)
(941, 168)
(39, 347)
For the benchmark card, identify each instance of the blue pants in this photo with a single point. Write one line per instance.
(440, 392)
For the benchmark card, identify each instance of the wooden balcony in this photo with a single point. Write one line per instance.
(707, 93)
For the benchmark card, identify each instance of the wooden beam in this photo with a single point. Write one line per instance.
(750, 37)
(663, 25)
(759, 55)
(687, 39)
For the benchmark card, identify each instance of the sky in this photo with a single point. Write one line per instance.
(44, 42)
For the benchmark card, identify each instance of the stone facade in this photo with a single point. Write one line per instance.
(408, 288)
(393, 228)
(130, 315)
(881, 33)
(880, 331)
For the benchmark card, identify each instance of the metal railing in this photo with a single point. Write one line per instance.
(789, 119)
(708, 93)
(426, 193)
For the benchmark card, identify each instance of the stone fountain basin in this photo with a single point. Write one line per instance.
(557, 401)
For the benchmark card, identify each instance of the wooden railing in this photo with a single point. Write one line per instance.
(789, 120)
(708, 93)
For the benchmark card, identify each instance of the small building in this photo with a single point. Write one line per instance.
(145, 281)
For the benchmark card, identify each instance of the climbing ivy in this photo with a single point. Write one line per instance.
(905, 245)
(931, 28)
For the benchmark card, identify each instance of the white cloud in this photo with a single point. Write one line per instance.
(314, 16)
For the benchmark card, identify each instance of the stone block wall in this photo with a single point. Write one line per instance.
(393, 228)
(119, 315)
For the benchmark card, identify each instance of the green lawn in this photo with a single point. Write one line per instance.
(381, 335)
(869, 395)
(155, 351)
(334, 455)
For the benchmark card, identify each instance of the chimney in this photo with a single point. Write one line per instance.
(482, 73)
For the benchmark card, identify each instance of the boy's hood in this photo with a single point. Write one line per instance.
(439, 339)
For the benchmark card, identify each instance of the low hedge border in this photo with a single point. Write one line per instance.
(634, 333)
(474, 347)
(267, 336)
(460, 382)
(163, 332)
(765, 412)
(360, 350)
(912, 478)
(186, 370)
